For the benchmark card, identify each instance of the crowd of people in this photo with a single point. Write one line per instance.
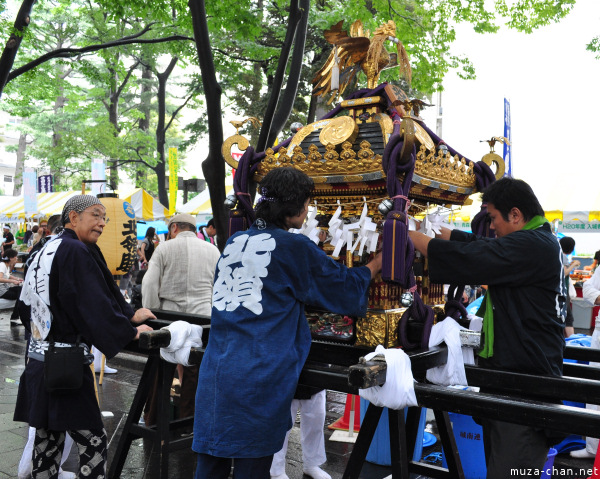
(244, 395)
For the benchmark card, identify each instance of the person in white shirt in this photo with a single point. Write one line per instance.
(10, 286)
(180, 278)
(591, 293)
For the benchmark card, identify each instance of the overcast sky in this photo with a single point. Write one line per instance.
(552, 83)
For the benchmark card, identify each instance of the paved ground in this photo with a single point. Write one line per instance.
(116, 395)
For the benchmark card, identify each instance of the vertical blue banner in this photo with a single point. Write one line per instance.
(30, 191)
(507, 134)
(45, 184)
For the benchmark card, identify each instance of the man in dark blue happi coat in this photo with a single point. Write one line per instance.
(259, 337)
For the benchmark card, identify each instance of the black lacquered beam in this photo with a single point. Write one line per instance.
(583, 371)
(160, 338)
(171, 316)
(154, 339)
(566, 419)
(546, 387)
(506, 408)
(582, 353)
(367, 374)
(424, 359)
(326, 376)
(336, 353)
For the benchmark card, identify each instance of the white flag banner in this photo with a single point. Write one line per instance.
(30, 191)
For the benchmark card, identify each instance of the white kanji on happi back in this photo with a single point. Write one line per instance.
(244, 261)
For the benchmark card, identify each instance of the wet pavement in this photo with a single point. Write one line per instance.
(115, 397)
(116, 394)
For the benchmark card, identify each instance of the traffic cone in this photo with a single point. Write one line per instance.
(352, 409)
(596, 470)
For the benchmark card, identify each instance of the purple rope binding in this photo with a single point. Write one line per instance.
(484, 176)
(421, 313)
(454, 306)
(243, 215)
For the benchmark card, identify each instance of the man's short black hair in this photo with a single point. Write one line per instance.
(597, 256)
(211, 222)
(184, 226)
(567, 244)
(53, 223)
(284, 192)
(508, 193)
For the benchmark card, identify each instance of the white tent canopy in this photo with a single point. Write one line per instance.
(200, 204)
(146, 207)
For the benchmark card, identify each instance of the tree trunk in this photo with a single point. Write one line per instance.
(144, 123)
(14, 42)
(20, 164)
(293, 20)
(58, 107)
(291, 89)
(113, 118)
(161, 132)
(213, 166)
(312, 108)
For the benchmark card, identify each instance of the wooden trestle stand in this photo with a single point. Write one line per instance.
(340, 368)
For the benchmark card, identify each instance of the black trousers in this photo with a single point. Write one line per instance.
(513, 450)
(13, 293)
(211, 467)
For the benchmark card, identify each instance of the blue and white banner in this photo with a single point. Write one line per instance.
(507, 145)
(45, 184)
(98, 173)
(30, 191)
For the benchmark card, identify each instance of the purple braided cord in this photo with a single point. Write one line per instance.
(247, 166)
(483, 174)
(454, 307)
(422, 312)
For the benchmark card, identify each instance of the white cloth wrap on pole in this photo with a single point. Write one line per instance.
(184, 336)
(453, 372)
(399, 388)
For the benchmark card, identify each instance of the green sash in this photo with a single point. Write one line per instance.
(487, 305)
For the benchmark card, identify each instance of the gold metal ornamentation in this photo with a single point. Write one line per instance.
(444, 168)
(386, 124)
(492, 159)
(307, 130)
(314, 164)
(238, 139)
(423, 137)
(379, 327)
(361, 101)
(242, 144)
(355, 52)
(340, 129)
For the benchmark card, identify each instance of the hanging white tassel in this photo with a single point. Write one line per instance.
(335, 71)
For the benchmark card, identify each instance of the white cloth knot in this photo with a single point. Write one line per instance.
(399, 388)
(453, 372)
(184, 336)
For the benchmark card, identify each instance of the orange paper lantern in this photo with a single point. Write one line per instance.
(119, 239)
